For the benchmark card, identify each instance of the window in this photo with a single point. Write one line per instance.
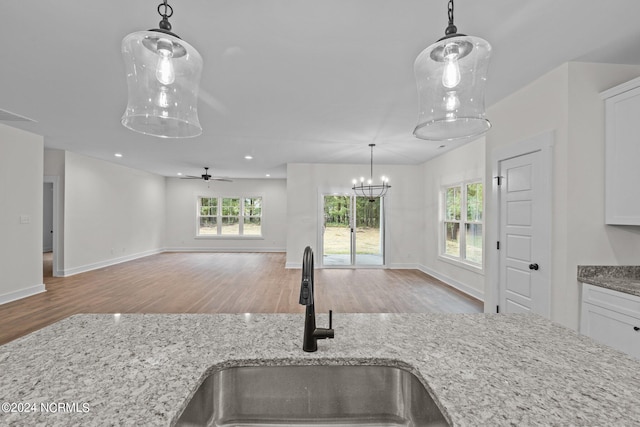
(462, 223)
(252, 223)
(208, 218)
(229, 216)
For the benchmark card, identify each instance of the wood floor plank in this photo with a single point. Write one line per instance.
(225, 283)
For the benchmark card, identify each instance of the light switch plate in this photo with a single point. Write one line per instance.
(25, 219)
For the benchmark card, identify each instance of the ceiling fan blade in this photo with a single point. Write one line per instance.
(190, 177)
(221, 179)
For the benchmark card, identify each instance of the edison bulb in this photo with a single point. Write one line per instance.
(165, 73)
(451, 102)
(451, 74)
(163, 99)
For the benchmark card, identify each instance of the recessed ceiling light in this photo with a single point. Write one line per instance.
(118, 154)
(179, 173)
(248, 157)
(268, 175)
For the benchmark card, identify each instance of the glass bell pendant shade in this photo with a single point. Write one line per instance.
(163, 74)
(451, 75)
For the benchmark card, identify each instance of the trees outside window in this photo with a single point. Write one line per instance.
(229, 216)
(462, 223)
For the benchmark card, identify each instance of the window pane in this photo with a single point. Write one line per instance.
(452, 239)
(474, 202)
(208, 206)
(208, 226)
(252, 226)
(230, 207)
(474, 243)
(452, 204)
(253, 206)
(230, 226)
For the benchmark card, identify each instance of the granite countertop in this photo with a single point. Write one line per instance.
(622, 278)
(483, 369)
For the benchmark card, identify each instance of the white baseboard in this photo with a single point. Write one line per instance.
(106, 263)
(398, 266)
(228, 250)
(389, 266)
(22, 293)
(453, 283)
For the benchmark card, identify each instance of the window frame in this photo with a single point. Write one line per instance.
(219, 218)
(463, 221)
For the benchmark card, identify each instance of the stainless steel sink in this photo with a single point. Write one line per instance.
(311, 395)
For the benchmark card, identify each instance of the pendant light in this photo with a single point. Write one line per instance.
(451, 75)
(370, 190)
(163, 74)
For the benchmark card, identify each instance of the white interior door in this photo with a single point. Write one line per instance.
(524, 238)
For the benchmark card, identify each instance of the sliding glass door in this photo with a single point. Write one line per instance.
(353, 231)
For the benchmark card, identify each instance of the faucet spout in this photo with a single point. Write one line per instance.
(311, 333)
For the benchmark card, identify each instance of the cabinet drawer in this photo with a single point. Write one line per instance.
(613, 300)
(611, 328)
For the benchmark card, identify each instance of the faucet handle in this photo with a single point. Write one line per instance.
(330, 319)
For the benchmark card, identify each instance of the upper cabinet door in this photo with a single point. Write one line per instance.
(622, 154)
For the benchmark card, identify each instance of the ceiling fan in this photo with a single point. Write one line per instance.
(205, 176)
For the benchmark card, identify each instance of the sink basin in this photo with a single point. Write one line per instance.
(311, 395)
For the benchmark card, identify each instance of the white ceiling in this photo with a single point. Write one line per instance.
(284, 80)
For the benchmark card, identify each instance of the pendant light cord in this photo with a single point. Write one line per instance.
(168, 13)
(371, 173)
(451, 29)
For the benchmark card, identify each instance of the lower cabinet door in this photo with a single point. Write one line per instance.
(611, 328)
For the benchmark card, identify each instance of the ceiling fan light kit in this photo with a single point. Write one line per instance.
(163, 75)
(206, 177)
(451, 76)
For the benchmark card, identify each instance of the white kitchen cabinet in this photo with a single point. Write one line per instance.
(611, 318)
(622, 153)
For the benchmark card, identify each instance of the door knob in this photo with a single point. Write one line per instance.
(533, 266)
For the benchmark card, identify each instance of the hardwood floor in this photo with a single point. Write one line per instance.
(225, 283)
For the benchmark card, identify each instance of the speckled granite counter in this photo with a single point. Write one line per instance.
(482, 369)
(622, 278)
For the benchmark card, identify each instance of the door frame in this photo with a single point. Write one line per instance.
(543, 143)
(57, 249)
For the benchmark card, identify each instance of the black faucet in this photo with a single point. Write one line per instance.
(311, 333)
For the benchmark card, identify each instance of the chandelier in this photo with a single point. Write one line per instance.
(451, 75)
(163, 74)
(370, 190)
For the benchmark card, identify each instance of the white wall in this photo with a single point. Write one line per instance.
(454, 167)
(404, 208)
(112, 213)
(566, 102)
(21, 163)
(182, 195)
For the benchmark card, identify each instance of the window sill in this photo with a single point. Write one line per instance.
(216, 237)
(459, 263)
